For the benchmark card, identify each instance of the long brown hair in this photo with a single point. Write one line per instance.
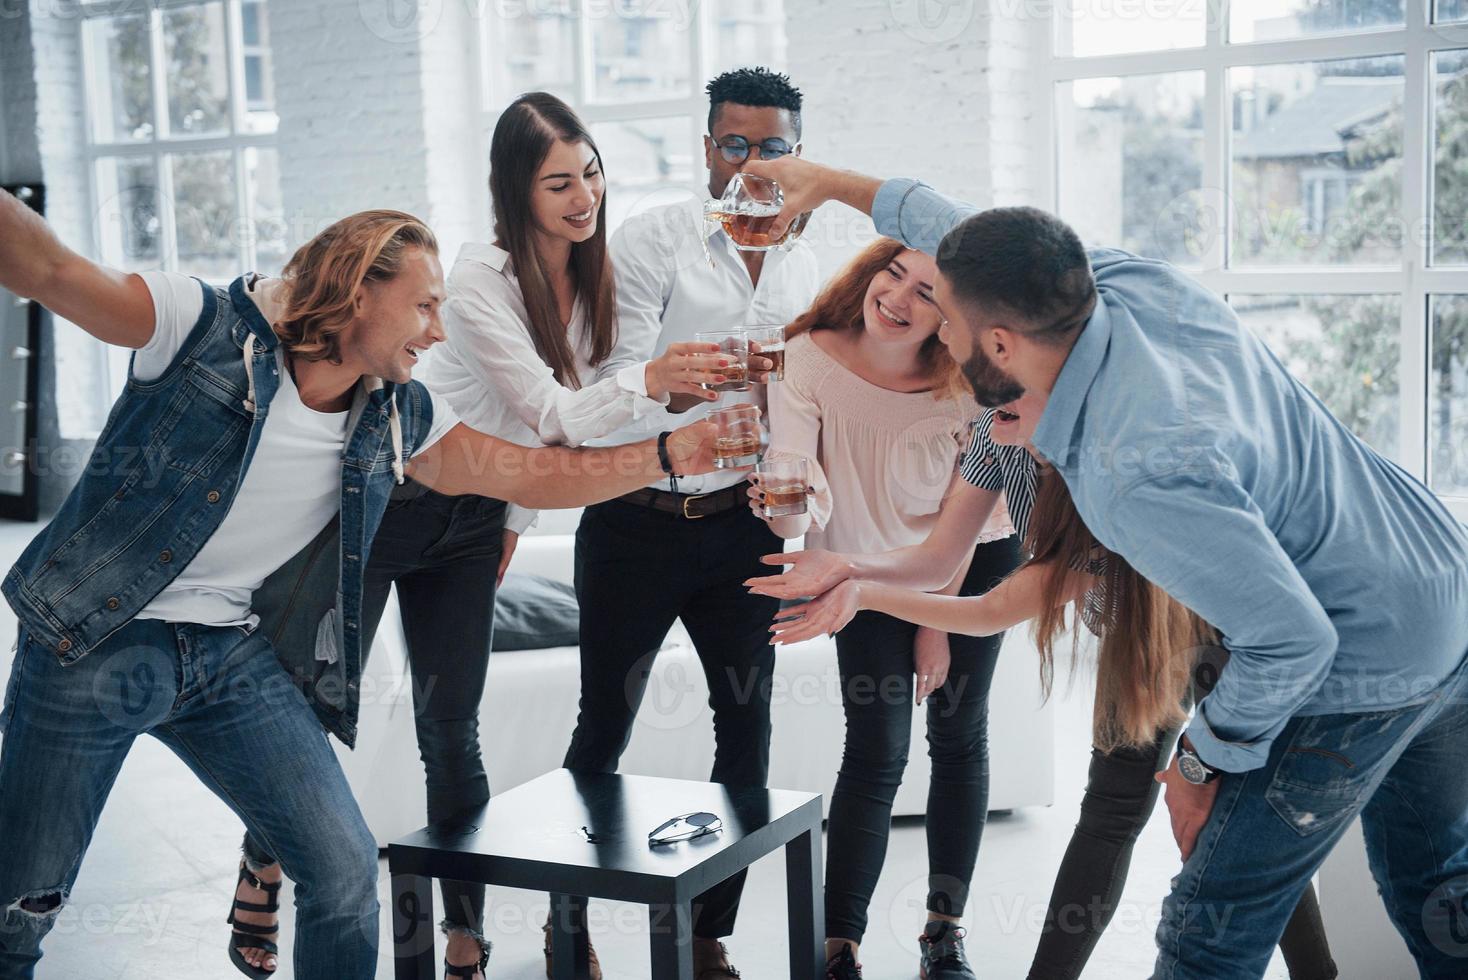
(1148, 640)
(839, 307)
(323, 276)
(523, 137)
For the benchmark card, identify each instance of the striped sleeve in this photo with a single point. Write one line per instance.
(981, 464)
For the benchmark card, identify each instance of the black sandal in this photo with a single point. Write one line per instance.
(449, 970)
(247, 935)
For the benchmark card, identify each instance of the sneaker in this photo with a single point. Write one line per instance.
(941, 954)
(843, 966)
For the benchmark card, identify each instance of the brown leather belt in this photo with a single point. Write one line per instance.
(690, 505)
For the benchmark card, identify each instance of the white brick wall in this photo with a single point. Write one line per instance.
(913, 88)
(378, 109)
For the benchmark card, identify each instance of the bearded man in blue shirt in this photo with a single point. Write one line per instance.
(1338, 582)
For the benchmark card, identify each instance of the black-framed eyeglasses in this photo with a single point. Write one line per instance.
(688, 826)
(736, 148)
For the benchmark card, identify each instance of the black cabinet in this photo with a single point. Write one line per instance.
(20, 372)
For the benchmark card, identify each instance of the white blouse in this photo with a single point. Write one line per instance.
(882, 461)
(492, 375)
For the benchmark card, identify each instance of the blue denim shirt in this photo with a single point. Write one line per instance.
(1338, 581)
(164, 473)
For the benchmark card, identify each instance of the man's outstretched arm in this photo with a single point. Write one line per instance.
(901, 208)
(115, 307)
(466, 461)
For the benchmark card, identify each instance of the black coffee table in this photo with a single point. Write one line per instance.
(532, 837)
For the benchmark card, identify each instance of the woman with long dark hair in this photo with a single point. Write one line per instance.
(874, 402)
(532, 356)
(1154, 658)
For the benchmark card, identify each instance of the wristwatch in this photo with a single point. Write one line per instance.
(1193, 769)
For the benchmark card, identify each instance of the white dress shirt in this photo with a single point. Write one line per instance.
(668, 290)
(491, 374)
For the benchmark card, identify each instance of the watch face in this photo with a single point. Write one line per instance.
(1192, 768)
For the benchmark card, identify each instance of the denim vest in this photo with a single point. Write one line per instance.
(164, 473)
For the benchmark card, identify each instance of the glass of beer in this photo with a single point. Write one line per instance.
(771, 341)
(735, 345)
(740, 437)
(748, 210)
(783, 479)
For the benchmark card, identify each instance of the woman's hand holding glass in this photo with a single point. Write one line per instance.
(688, 368)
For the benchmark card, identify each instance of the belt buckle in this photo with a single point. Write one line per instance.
(689, 499)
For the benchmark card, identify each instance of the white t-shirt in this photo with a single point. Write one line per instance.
(290, 492)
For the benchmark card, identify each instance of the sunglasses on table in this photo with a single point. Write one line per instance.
(736, 148)
(689, 826)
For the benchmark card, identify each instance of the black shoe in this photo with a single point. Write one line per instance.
(246, 936)
(942, 956)
(843, 966)
(469, 969)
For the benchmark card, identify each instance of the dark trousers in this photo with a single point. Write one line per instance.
(638, 570)
(443, 554)
(1120, 795)
(875, 656)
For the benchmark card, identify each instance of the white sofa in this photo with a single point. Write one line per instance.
(529, 710)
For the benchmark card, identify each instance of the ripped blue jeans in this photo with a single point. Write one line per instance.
(1403, 771)
(218, 697)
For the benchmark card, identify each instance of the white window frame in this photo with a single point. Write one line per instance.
(1412, 278)
(701, 45)
(162, 143)
(237, 141)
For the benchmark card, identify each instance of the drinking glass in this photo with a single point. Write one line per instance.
(736, 345)
(771, 341)
(783, 479)
(748, 211)
(740, 438)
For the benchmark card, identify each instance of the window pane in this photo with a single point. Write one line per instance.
(1271, 20)
(1097, 27)
(1346, 349)
(1449, 10)
(1450, 158)
(531, 47)
(643, 158)
(198, 70)
(128, 228)
(121, 100)
(1447, 396)
(204, 215)
(640, 51)
(1131, 161)
(751, 32)
(260, 114)
(1315, 162)
(267, 210)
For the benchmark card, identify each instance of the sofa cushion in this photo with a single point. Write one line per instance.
(532, 612)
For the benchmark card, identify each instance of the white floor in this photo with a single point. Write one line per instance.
(154, 889)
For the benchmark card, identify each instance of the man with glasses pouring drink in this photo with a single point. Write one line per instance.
(682, 549)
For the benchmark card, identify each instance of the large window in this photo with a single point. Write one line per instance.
(1303, 158)
(182, 137)
(634, 70)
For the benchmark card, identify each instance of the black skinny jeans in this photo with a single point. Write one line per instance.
(443, 554)
(875, 656)
(1120, 794)
(638, 570)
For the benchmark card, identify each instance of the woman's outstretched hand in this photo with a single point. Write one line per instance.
(811, 572)
(826, 614)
